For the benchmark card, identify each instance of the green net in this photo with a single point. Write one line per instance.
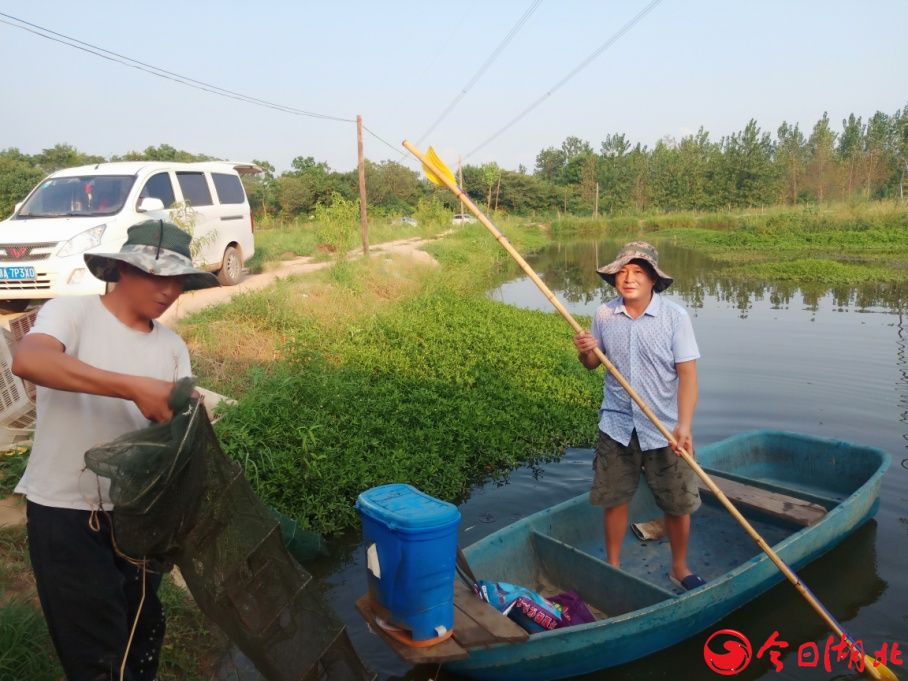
(179, 499)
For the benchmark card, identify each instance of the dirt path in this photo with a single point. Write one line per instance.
(198, 300)
(12, 511)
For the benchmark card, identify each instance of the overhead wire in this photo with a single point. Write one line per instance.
(577, 69)
(515, 29)
(159, 72)
(382, 140)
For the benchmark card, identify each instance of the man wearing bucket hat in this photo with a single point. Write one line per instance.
(650, 340)
(103, 367)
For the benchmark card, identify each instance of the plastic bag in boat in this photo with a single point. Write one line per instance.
(530, 610)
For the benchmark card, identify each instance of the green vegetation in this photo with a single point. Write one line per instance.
(25, 648)
(865, 160)
(387, 370)
(843, 244)
(401, 372)
(190, 649)
(12, 466)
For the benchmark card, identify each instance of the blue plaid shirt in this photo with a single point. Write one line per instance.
(645, 350)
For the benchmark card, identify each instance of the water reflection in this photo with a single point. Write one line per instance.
(570, 269)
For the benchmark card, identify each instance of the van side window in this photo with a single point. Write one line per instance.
(229, 188)
(159, 186)
(195, 189)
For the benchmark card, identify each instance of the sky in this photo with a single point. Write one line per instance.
(400, 64)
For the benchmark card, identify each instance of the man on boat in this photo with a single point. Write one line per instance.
(650, 340)
(103, 367)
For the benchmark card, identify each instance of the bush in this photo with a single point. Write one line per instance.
(337, 223)
(430, 212)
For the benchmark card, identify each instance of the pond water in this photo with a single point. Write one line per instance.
(826, 362)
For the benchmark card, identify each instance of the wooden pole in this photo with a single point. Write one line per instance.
(497, 191)
(875, 672)
(363, 219)
(596, 204)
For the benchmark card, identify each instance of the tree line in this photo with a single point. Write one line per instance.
(862, 160)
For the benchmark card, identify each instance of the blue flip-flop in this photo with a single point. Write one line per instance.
(692, 581)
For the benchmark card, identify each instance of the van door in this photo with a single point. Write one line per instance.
(206, 233)
(234, 213)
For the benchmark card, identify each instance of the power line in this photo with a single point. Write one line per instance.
(382, 140)
(159, 72)
(515, 29)
(577, 69)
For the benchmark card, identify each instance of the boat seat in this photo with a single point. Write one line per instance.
(791, 509)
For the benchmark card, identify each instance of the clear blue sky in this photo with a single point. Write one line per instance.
(714, 63)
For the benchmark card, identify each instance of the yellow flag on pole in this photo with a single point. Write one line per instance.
(431, 175)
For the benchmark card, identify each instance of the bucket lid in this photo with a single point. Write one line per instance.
(403, 507)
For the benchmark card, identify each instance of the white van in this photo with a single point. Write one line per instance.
(90, 208)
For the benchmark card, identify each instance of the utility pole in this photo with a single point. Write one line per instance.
(460, 175)
(363, 220)
(596, 204)
(498, 191)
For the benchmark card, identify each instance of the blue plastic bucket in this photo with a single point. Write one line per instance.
(410, 540)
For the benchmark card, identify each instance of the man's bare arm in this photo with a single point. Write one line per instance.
(41, 359)
(586, 349)
(687, 404)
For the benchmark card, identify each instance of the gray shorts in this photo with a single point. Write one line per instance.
(617, 474)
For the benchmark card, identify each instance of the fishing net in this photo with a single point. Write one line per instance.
(179, 499)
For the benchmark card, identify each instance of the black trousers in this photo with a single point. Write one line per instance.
(90, 597)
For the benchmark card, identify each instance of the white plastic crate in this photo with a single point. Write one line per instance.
(17, 411)
(21, 325)
(18, 327)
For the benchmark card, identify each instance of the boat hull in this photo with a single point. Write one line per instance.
(563, 543)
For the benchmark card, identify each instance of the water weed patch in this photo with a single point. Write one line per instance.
(441, 393)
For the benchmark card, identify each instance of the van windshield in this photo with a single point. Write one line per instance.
(82, 196)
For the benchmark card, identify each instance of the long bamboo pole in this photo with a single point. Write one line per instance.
(875, 669)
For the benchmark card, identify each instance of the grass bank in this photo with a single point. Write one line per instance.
(842, 244)
(384, 370)
(190, 652)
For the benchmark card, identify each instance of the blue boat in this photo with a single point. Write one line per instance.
(802, 494)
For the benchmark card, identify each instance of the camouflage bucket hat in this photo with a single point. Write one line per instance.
(156, 247)
(636, 250)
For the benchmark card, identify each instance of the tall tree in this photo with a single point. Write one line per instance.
(791, 157)
(615, 172)
(696, 165)
(490, 175)
(550, 164)
(821, 166)
(851, 151)
(748, 167)
(900, 148)
(878, 145)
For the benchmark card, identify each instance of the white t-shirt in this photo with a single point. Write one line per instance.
(70, 423)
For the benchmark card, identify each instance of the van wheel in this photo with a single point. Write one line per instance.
(13, 305)
(231, 267)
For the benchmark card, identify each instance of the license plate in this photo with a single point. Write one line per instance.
(16, 273)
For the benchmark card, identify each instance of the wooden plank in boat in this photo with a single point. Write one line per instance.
(440, 652)
(789, 508)
(469, 633)
(500, 627)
